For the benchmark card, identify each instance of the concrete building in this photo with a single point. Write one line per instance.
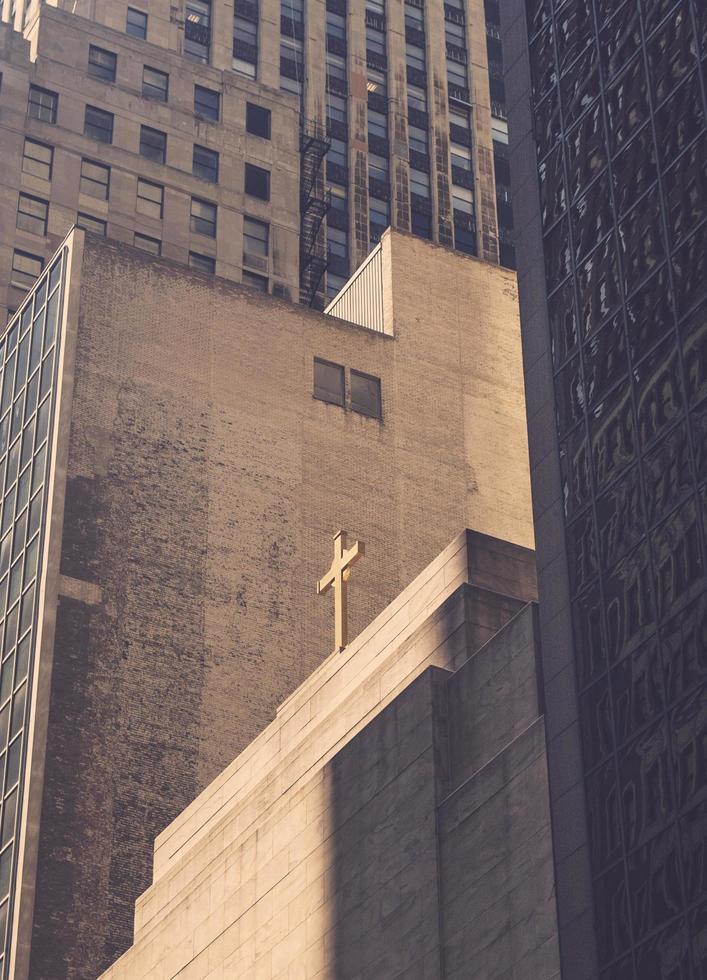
(392, 821)
(402, 112)
(607, 117)
(168, 511)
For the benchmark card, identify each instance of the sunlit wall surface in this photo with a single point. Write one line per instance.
(28, 371)
(618, 112)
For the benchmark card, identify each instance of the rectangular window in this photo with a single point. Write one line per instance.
(366, 394)
(335, 25)
(335, 67)
(155, 84)
(98, 124)
(37, 159)
(89, 223)
(461, 156)
(377, 167)
(245, 47)
(42, 104)
(153, 144)
(95, 180)
(292, 10)
(202, 263)
(417, 139)
(32, 214)
(102, 64)
(375, 41)
(458, 117)
(456, 74)
(257, 182)
(419, 183)
(377, 82)
(414, 57)
(335, 108)
(257, 120)
(417, 98)
(454, 33)
(291, 58)
(25, 269)
(255, 281)
(203, 217)
(378, 212)
(255, 237)
(148, 244)
(376, 6)
(337, 153)
(207, 103)
(136, 24)
(328, 382)
(150, 199)
(337, 243)
(462, 200)
(334, 283)
(377, 124)
(414, 17)
(337, 198)
(420, 224)
(205, 164)
(197, 29)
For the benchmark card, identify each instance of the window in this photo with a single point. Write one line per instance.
(335, 25)
(32, 214)
(414, 57)
(462, 199)
(42, 104)
(378, 214)
(255, 237)
(417, 98)
(25, 269)
(98, 124)
(456, 74)
(465, 240)
(337, 152)
(461, 156)
(335, 67)
(454, 33)
(417, 139)
(366, 394)
(89, 223)
(377, 82)
(136, 24)
(377, 124)
(95, 180)
(150, 199)
(153, 144)
(334, 283)
(257, 182)
(101, 64)
(375, 41)
(245, 47)
(207, 103)
(336, 108)
(419, 183)
(255, 281)
(377, 167)
(292, 10)
(458, 117)
(37, 159)
(420, 224)
(257, 120)
(202, 263)
(203, 217)
(337, 198)
(337, 243)
(414, 17)
(205, 164)
(328, 382)
(155, 84)
(147, 244)
(291, 58)
(197, 29)
(376, 6)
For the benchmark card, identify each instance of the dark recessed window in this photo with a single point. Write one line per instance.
(102, 64)
(203, 217)
(328, 382)
(147, 244)
(155, 84)
(37, 159)
(42, 104)
(255, 281)
(366, 394)
(25, 269)
(257, 120)
(257, 182)
(89, 223)
(98, 124)
(136, 24)
(32, 214)
(205, 164)
(420, 224)
(95, 180)
(206, 102)
(150, 198)
(203, 263)
(153, 144)
(197, 29)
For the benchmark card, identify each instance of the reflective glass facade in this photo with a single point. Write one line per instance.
(618, 107)
(27, 384)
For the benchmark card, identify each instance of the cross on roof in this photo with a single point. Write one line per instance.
(338, 576)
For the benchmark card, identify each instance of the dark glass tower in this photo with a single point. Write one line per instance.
(608, 152)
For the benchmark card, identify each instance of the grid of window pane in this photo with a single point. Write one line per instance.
(150, 198)
(102, 64)
(155, 84)
(42, 104)
(136, 24)
(32, 214)
(203, 217)
(98, 124)
(37, 159)
(206, 102)
(95, 179)
(27, 378)
(153, 144)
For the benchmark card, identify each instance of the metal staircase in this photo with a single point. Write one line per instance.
(314, 204)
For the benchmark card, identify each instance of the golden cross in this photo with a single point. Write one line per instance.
(338, 576)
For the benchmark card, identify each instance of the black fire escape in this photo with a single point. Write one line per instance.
(314, 205)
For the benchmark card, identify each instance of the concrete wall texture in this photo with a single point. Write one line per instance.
(375, 829)
(203, 484)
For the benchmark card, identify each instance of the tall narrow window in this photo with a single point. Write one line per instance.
(197, 29)
(255, 237)
(245, 46)
(95, 179)
(203, 217)
(136, 24)
(32, 214)
(155, 84)
(153, 144)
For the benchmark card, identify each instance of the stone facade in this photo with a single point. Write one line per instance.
(392, 821)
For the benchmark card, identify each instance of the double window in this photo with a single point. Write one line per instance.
(98, 124)
(257, 182)
(155, 84)
(32, 214)
(102, 64)
(205, 164)
(95, 179)
(203, 217)
(150, 199)
(206, 102)
(42, 104)
(364, 389)
(37, 159)
(153, 144)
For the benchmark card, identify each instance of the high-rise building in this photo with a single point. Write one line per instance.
(397, 117)
(608, 149)
(176, 451)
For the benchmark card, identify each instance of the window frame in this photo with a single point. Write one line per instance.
(105, 116)
(247, 219)
(251, 172)
(82, 177)
(162, 94)
(42, 221)
(359, 407)
(144, 131)
(207, 115)
(197, 222)
(252, 110)
(322, 393)
(99, 70)
(156, 214)
(131, 33)
(53, 105)
(210, 172)
(49, 166)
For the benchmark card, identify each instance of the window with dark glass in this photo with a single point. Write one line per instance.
(257, 182)
(153, 144)
(414, 57)
(337, 198)
(417, 139)
(291, 64)
(37, 159)
(197, 29)
(203, 217)
(255, 281)
(257, 120)
(377, 167)
(335, 25)
(414, 17)
(89, 223)
(456, 74)
(378, 217)
(337, 152)
(377, 124)
(337, 243)
(292, 10)
(245, 46)
(32, 214)
(335, 68)
(26, 268)
(420, 224)
(417, 98)
(207, 103)
(42, 104)
(328, 382)
(334, 284)
(203, 263)
(366, 394)
(150, 198)
(102, 64)
(155, 84)
(462, 200)
(147, 243)
(460, 156)
(377, 81)
(95, 179)
(98, 124)
(336, 107)
(375, 41)
(376, 6)
(205, 164)
(136, 23)
(255, 236)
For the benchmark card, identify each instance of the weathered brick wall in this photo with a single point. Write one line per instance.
(204, 485)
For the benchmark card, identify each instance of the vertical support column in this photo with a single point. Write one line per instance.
(439, 129)
(269, 43)
(358, 132)
(315, 62)
(397, 122)
(222, 34)
(482, 149)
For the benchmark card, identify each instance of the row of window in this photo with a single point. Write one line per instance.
(364, 390)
